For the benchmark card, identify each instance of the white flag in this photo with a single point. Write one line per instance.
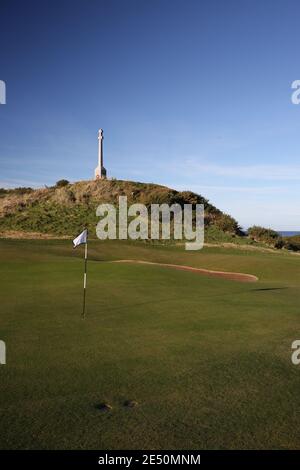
(82, 238)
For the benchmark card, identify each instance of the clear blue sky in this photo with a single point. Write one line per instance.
(191, 94)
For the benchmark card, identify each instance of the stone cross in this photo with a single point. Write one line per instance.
(100, 171)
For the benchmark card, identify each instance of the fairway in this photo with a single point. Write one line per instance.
(207, 360)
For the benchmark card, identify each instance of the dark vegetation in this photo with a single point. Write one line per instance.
(273, 239)
(266, 235)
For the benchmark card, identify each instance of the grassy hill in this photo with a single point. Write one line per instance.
(63, 209)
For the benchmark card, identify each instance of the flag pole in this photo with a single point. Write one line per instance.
(84, 274)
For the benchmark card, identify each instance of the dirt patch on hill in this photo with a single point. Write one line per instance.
(31, 235)
(241, 277)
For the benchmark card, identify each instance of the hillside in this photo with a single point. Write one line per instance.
(293, 243)
(64, 208)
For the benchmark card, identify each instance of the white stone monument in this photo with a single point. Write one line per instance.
(100, 171)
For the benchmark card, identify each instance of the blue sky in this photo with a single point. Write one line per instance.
(191, 94)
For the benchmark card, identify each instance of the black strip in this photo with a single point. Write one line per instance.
(133, 459)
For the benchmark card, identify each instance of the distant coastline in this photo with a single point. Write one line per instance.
(288, 233)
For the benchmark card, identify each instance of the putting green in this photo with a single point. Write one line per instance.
(206, 360)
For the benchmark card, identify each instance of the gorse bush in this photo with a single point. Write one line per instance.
(62, 183)
(15, 191)
(266, 235)
(227, 224)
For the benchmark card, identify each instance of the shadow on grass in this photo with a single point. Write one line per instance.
(269, 288)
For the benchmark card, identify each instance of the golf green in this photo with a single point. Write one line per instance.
(206, 361)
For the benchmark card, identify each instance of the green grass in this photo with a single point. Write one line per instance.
(208, 360)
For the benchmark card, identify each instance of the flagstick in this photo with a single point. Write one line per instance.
(84, 278)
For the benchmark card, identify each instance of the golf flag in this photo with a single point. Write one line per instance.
(82, 238)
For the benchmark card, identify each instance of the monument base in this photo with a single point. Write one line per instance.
(100, 174)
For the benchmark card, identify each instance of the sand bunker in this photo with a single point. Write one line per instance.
(241, 277)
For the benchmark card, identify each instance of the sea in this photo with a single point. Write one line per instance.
(287, 233)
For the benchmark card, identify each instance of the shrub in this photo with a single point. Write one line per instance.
(62, 183)
(227, 224)
(266, 235)
(292, 246)
(21, 190)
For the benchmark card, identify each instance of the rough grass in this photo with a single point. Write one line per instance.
(63, 210)
(207, 360)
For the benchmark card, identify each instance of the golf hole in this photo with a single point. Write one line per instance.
(104, 406)
(130, 403)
